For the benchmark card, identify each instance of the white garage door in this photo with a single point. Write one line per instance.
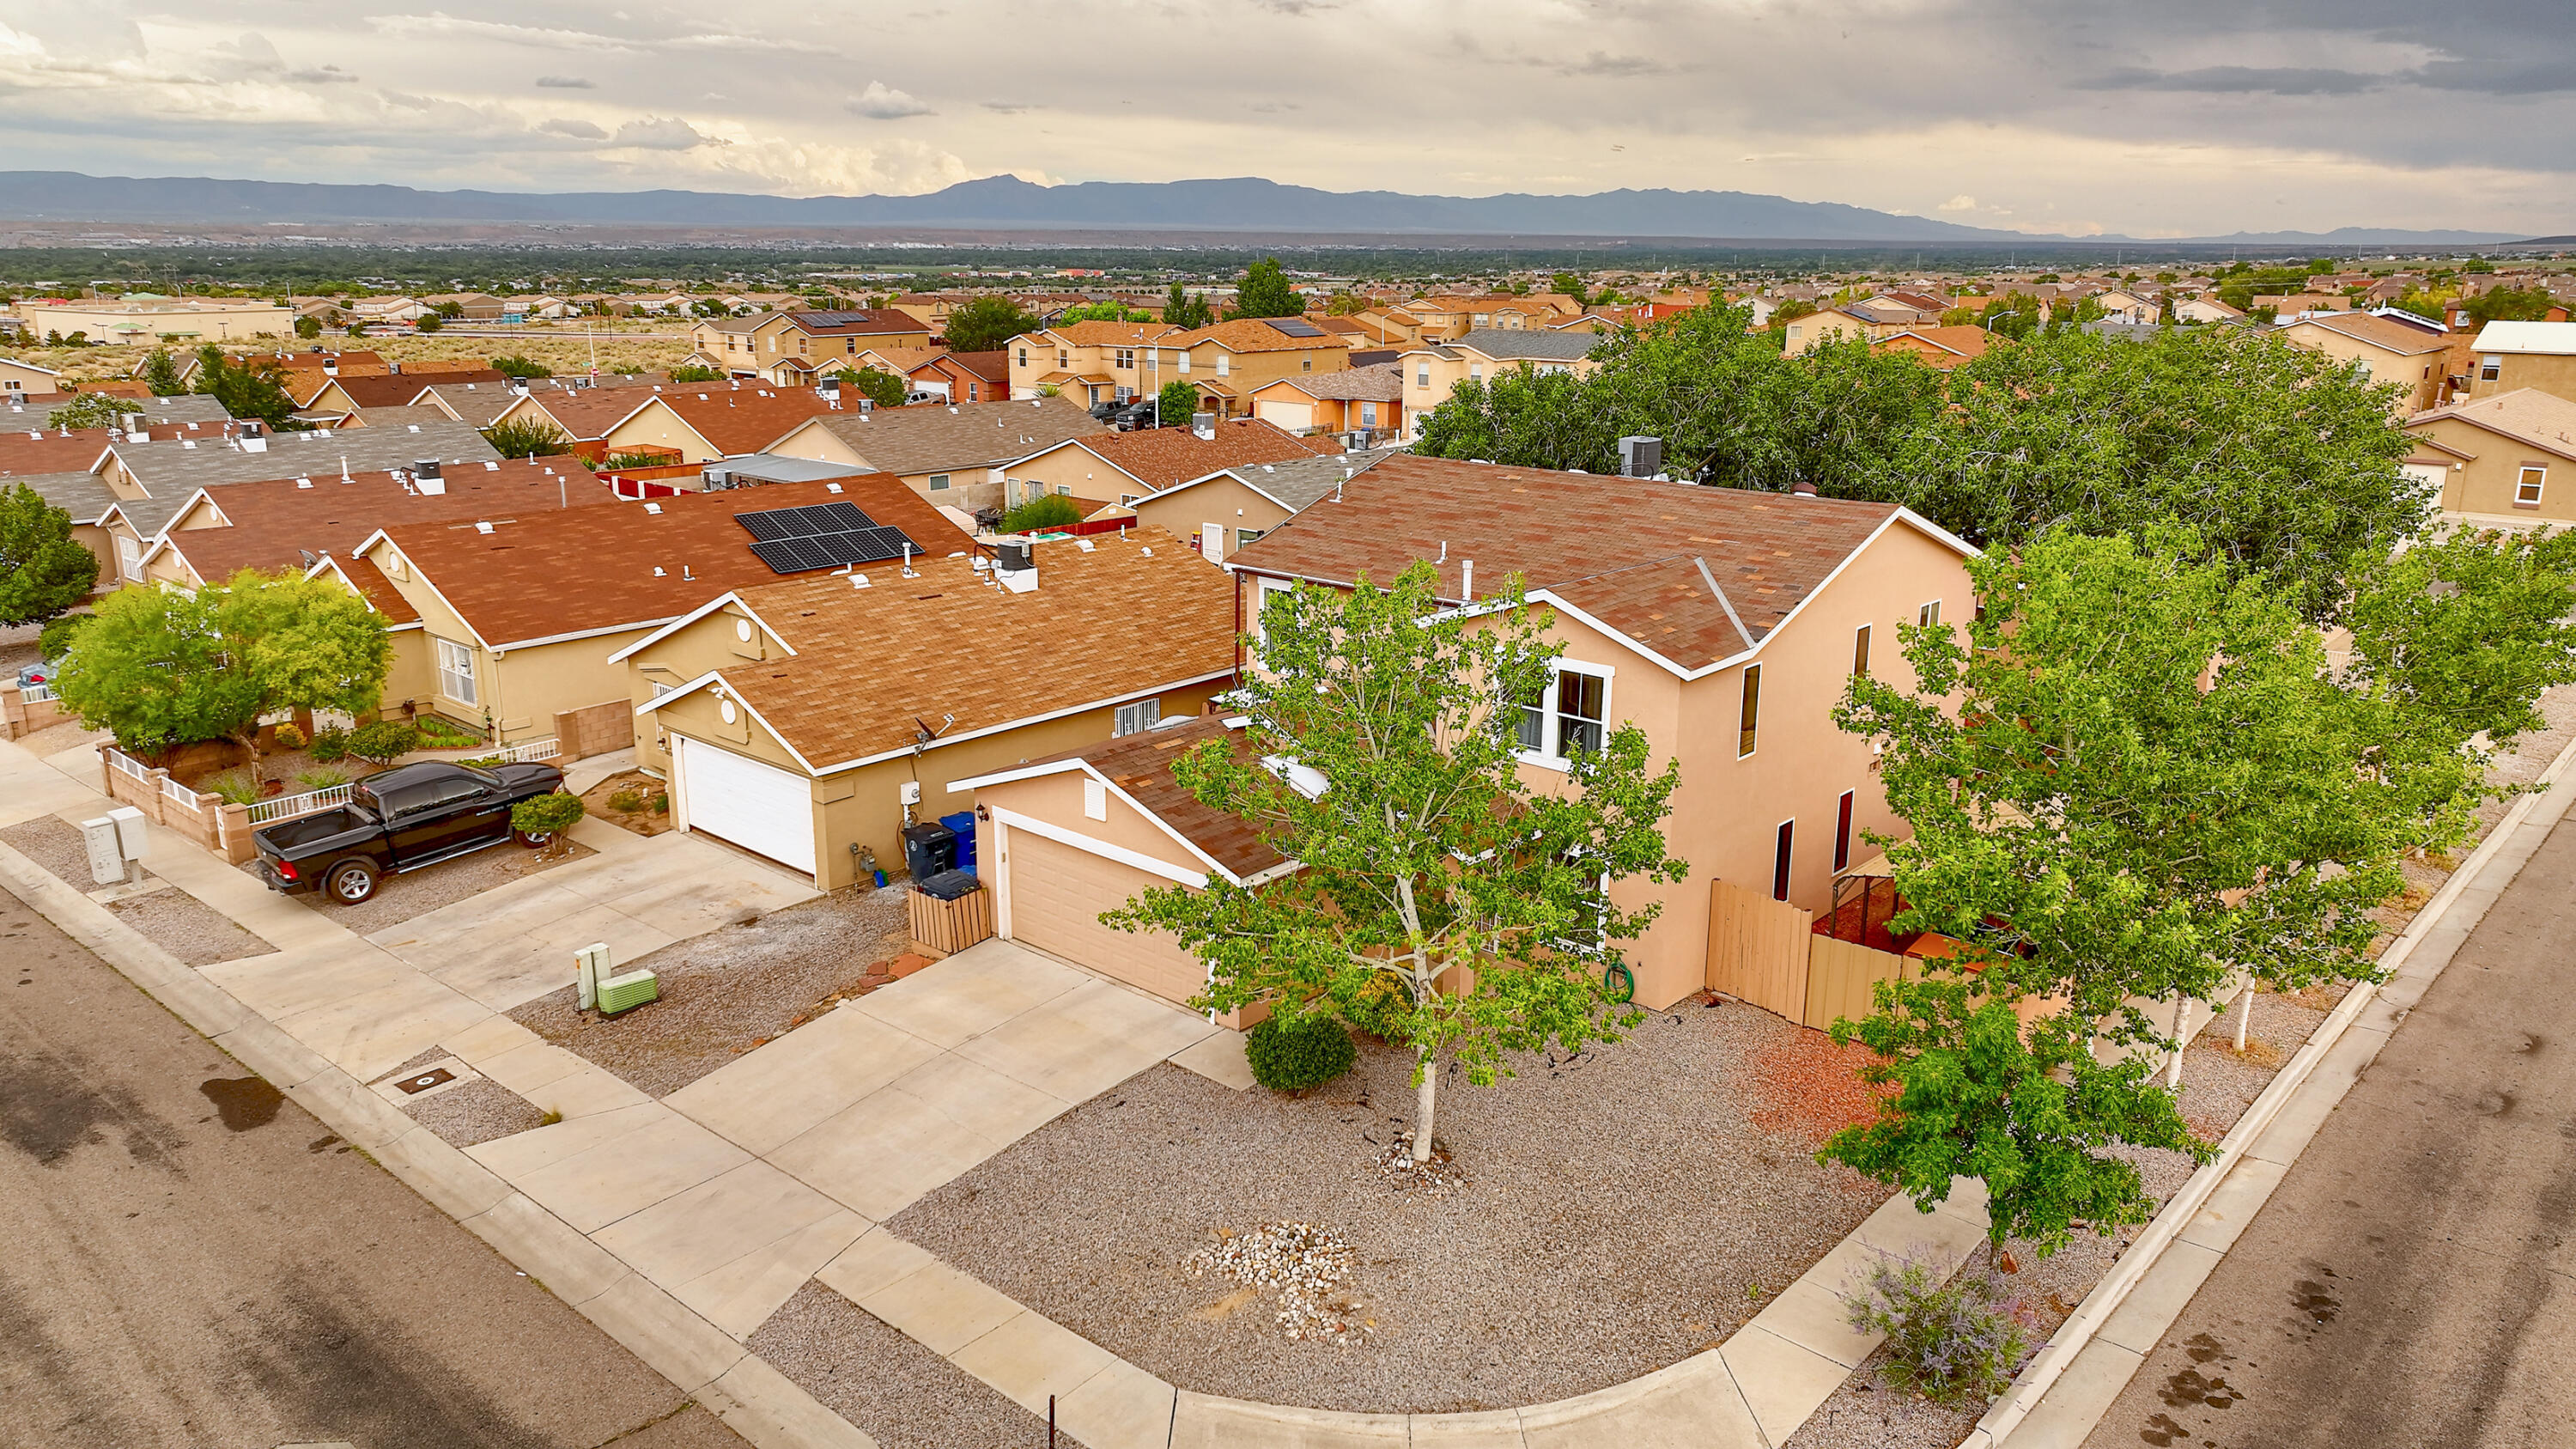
(1057, 895)
(1295, 417)
(758, 807)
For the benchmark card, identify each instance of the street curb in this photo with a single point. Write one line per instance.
(700, 1359)
(2024, 1398)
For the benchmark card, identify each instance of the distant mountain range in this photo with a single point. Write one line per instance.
(1244, 204)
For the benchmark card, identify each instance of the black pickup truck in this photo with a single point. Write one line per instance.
(398, 820)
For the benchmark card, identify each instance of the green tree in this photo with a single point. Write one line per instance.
(1177, 404)
(2511, 304)
(521, 368)
(1265, 292)
(692, 373)
(878, 386)
(1186, 309)
(250, 388)
(1383, 755)
(161, 374)
(1053, 510)
(987, 324)
(163, 667)
(1570, 285)
(2027, 1112)
(43, 572)
(308, 328)
(2465, 630)
(93, 410)
(526, 437)
(1101, 312)
(428, 322)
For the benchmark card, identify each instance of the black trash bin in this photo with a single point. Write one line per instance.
(949, 885)
(928, 849)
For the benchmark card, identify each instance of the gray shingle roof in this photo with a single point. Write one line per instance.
(930, 438)
(85, 496)
(1303, 481)
(172, 469)
(1507, 345)
(187, 407)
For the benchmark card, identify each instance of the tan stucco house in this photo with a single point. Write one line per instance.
(2512, 456)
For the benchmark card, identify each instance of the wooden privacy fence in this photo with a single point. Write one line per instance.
(1766, 953)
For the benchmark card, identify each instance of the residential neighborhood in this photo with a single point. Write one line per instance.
(723, 741)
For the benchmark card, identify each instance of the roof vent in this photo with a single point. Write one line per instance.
(424, 471)
(1804, 489)
(653, 508)
(481, 527)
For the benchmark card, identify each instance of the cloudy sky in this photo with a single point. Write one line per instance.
(2175, 117)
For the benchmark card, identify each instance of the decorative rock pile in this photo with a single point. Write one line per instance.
(1436, 1174)
(1309, 1267)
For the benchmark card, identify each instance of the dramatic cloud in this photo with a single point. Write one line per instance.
(2184, 117)
(882, 103)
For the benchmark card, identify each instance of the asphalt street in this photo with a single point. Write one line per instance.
(191, 1260)
(2409, 1282)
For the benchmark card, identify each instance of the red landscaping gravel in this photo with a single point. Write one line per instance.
(1810, 1089)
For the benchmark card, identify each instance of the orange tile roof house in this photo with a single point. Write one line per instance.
(695, 422)
(521, 613)
(795, 716)
(1229, 361)
(1119, 468)
(1355, 399)
(1724, 623)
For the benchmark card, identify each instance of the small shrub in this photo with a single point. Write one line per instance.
(660, 804)
(546, 814)
(330, 744)
(627, 801)
(1944, 1341)
(322, 779)
(235, 786)
(1039, 514)
(480, 762)
(1295, 1053)
(288, 737)
(383, 742)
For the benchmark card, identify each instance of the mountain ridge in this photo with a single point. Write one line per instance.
(1244, 203)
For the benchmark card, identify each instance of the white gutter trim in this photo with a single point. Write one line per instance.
(717, 676)
(416, 572)
(1117, 699)
(1136, 858)
(700, 612)
(577, 634)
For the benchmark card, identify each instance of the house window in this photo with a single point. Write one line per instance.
(1274, 593)
(938, 482)
(1860, 651)
(1749, 722)
(1183, 361)
(1305, 364)
(1422, 375)
(659, 688)
(1127, 358)
(1138, 717)
(1842, 833)
(2526, 489)
(1063, 359)
(1581, 701)
(1244, 536)
(455, 671)
(1368, 414)
(2489, 368)
(1224, 363)
(1929, 614)
(1529, 720)
(974, 392)
(1024, 357)
(1780, 860)
(1475, 371)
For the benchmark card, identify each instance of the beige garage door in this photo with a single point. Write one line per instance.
(1057, 895)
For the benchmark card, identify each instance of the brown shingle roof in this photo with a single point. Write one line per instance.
(1253, 334)
(376, 589)
(1113, 334)
(744, 420)
(1350, 384)
(275, 523)
(1161, 458)
(2380, 332)
(33, 450)
(587, 417)
(1127, 616)
(2526, 415)
(1140, 764)
(396, 389)
(593, 568)
(1627, 553)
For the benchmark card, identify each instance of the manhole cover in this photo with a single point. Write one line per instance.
(435, 1076)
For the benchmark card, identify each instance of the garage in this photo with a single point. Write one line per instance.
(765, 810)
(1296, 417)
(1056, 894)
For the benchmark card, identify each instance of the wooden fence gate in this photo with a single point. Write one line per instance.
(1757, 949)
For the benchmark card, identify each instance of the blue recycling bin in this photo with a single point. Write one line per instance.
(963, 822)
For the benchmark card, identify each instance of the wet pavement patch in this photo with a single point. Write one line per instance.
(243, 1102)
(49, 1106)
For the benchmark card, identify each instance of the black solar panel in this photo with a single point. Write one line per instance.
(1296, 326)
(821, 536)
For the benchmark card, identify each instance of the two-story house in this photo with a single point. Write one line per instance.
(804, 342)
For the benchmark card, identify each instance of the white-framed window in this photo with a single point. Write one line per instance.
(2489, 368)
(1244, 536)
(1181, 362)
(938, 482)
(1024, 357)
(1137, 718)
(2526, 488)
(1929, 614)
(1475, 371)
(1748, 723)
(1570, 715)
(1422, 375)
(455, 671)
(1127, 359)
(1271, 593)
(659, 688)
(1860, 651)
(1368, 414)
(1224, 363)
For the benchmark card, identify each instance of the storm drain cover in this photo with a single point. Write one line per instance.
(435, 1076)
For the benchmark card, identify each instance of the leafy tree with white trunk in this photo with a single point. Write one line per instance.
(1440, 899)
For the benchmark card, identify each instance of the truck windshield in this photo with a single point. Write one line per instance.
(365, 799)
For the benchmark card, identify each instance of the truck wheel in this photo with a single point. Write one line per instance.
(534, 839)
(350, 882)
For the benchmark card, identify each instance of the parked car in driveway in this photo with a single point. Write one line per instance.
(399, 820)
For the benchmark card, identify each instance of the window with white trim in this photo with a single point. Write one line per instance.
(1243, 536)
(1271, 594)
(2527, 487)
(1137, 718)
(1748, 725)
(938, 482)
(2489, 368)
(1568, 715)
(1929, 614)
(455, 671)
(1224, 363)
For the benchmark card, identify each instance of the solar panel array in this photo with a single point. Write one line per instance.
(821, 536)
(1296, 326)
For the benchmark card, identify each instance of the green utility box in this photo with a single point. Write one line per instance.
(618, 993)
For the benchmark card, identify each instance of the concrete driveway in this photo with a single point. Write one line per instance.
(514, 943)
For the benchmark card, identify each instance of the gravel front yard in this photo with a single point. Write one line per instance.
(902, 1394)
(187, 927)
(1618, 1213)
(56, 846)
(398, 898)
(731, 989)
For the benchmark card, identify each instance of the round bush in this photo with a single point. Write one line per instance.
(1293, 1054)
(384, 741)
(330, 744)
(288, 737)
(545, 815)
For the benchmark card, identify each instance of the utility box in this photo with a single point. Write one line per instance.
(117, 843)
(623, 993)
(1641, 456)
(590, 963)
